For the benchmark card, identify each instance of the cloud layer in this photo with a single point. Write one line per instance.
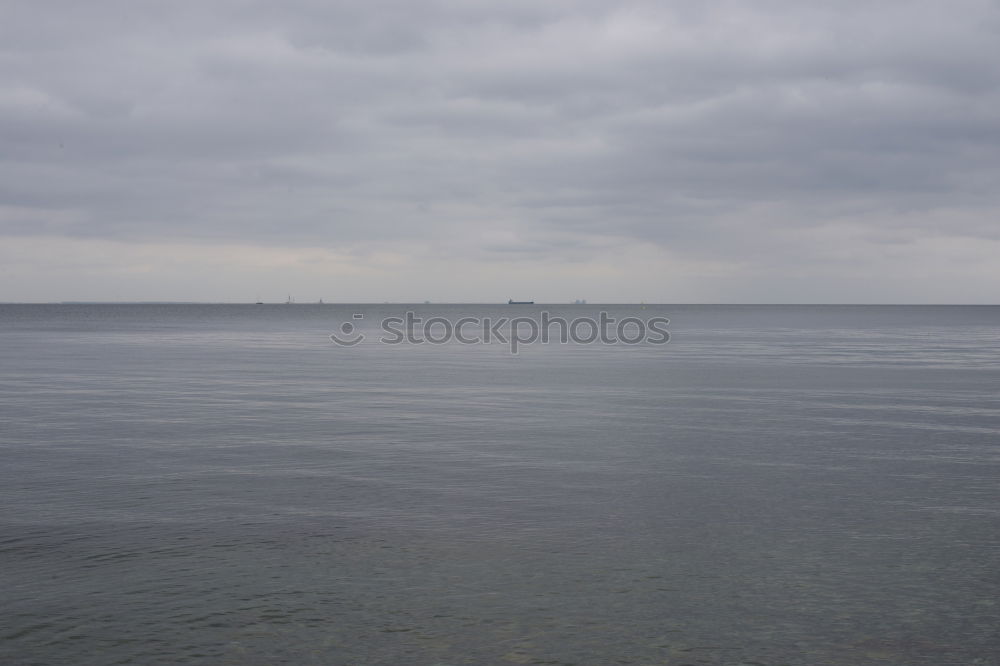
(459, 150)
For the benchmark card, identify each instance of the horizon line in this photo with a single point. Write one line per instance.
(549, 303)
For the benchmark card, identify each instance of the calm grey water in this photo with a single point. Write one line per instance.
(205, 484)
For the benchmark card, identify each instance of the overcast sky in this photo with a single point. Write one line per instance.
(468, 150)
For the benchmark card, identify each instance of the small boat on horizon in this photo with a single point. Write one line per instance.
(511, 301)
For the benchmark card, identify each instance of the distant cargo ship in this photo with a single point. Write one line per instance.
(511, 301)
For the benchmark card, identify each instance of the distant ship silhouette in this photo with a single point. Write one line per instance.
(511, 301)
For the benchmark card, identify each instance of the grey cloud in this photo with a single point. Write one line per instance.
(338, 124)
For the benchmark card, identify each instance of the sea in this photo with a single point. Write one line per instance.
(226, 484)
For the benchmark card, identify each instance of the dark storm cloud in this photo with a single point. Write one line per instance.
(709, 127)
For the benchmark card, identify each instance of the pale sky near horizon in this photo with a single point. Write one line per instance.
(472, 151)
